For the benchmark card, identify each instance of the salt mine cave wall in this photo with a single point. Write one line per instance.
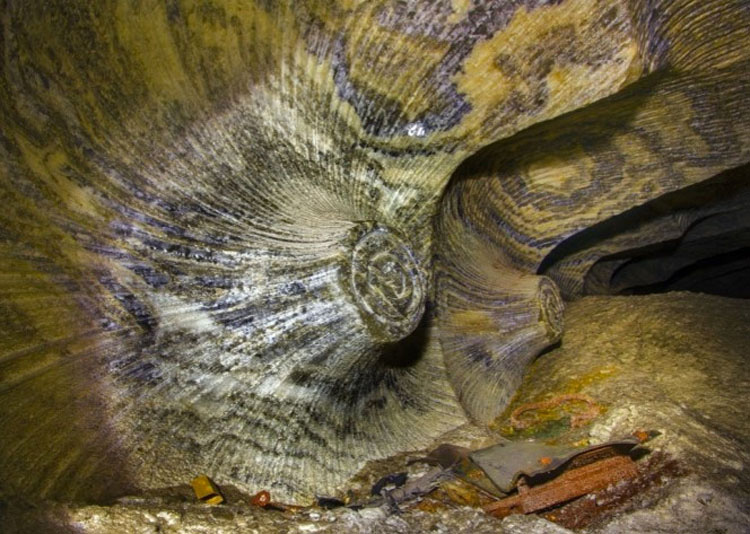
(273, 241)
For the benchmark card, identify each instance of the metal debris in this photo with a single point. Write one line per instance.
(328, 503)
(447, 455)
(262, 499)
(457, 460)
(653, 472)
(206, 491)
(394, 479)
(505, 462)
(542, 475)
(570, 484)
(418, 486)
(412, 489)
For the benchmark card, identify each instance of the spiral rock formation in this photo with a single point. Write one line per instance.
(387, 283)
(273, 240)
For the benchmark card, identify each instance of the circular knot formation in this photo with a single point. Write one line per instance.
(386, 282)
(551, 308)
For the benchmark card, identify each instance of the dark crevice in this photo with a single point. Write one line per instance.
(408, 351)
(711, 253)
(721, 187)
(718, 275)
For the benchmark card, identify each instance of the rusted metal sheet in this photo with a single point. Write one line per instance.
(505, 462)
(567, 486)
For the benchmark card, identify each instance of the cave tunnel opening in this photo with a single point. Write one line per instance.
(694, 239)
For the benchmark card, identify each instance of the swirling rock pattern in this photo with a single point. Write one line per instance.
(387, 283)
(272, 240)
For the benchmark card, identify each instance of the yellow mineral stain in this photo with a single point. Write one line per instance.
(460, 9)
(573, 81)
(578, 383)
(548, 421)
(558, 173)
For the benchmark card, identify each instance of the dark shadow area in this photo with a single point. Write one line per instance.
(556, 345)
(726, 275)
(707, 254)
(408, 351)
(712, 191)
(21, 516)
(60, 419)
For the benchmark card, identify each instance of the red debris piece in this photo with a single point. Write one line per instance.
(599, 505)
(262, 499)
(570, 484)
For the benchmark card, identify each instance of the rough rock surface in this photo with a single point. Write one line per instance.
(675, 363)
